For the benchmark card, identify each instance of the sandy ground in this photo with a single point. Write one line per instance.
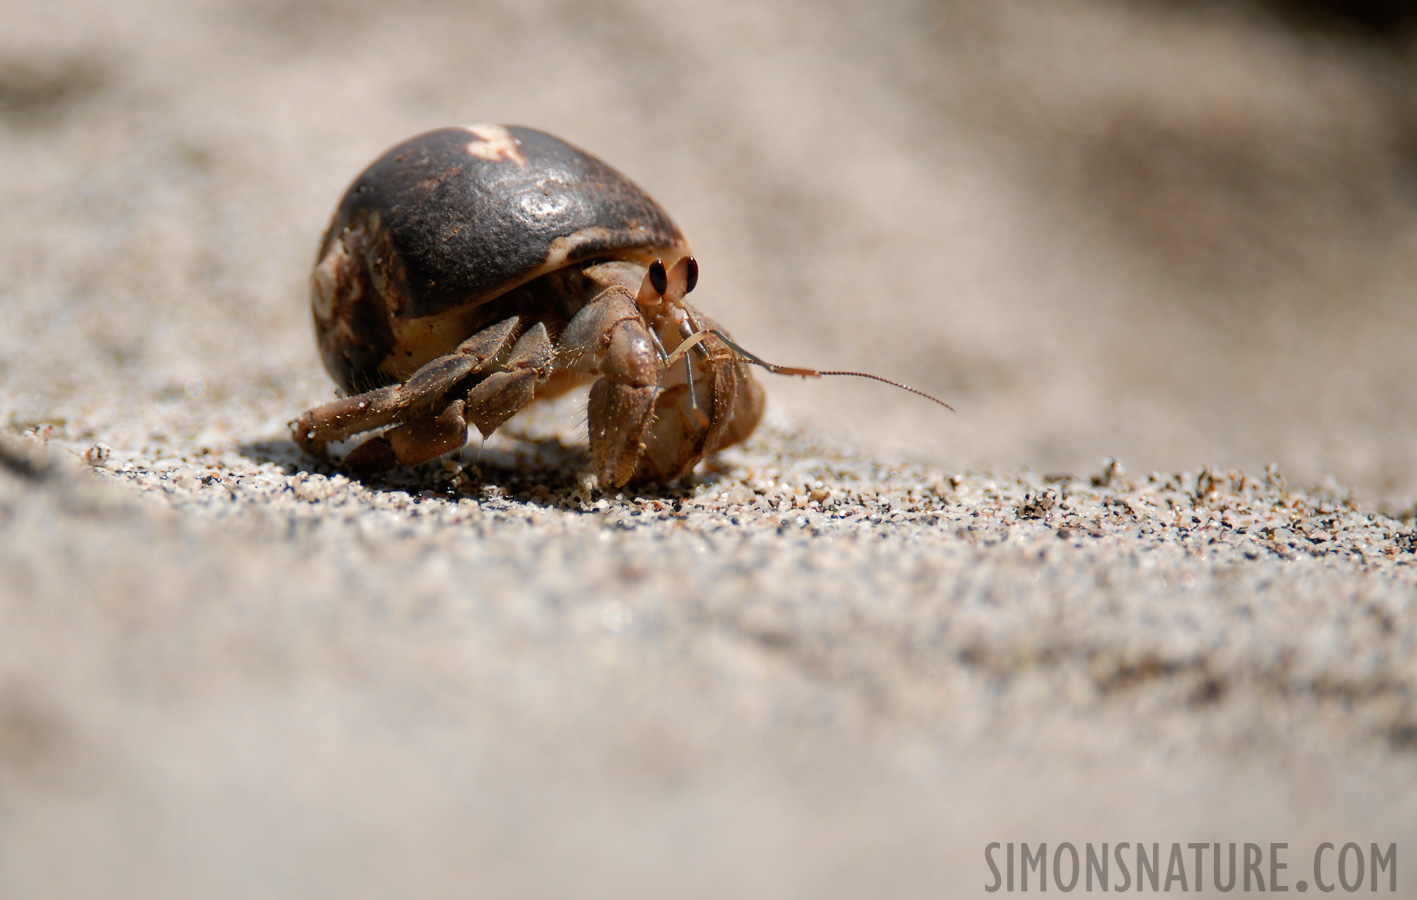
(844, 657)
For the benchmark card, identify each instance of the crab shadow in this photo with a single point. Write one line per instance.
(545, 472)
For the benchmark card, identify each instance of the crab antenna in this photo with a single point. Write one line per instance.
(817, 373)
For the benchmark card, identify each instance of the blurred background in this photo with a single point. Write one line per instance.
(1181, 234)
(1174, 233)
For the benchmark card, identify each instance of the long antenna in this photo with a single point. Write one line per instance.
(756, 360)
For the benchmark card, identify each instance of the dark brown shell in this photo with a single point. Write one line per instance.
(454, 218)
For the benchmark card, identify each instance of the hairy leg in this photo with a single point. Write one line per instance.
(423, 391)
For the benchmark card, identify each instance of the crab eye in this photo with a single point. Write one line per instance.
(658, 277)
(693, 274)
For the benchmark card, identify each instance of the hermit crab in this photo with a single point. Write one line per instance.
(471, 270)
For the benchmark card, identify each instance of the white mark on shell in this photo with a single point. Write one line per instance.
(494, 143)
(562, 248)
(326, 281)
(544, 206)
